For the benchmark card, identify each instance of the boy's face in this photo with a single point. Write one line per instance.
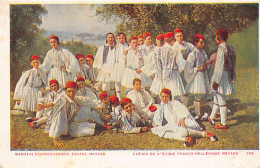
(89, 62)
(54, 87)
(200, 44)
(54, 44)
(216, 39)
(134, 44)
(137, 86)
(158, 43)
(71, 93)
(140, 41)
(165, 98)
(148, 41)
(179, 37)
(35, 64)
(121, 38)
(81, 61)
(110, 39)
(80, 84)
(128, 108)
(105, 100)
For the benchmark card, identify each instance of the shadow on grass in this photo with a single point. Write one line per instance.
(243, 119)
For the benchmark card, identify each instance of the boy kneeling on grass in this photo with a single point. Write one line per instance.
(70, 116)
(172, 120)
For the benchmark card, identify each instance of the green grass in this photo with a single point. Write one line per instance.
(242, 132)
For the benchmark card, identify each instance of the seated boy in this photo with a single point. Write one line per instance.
(70, 116)
(140, 97)
(132, 121)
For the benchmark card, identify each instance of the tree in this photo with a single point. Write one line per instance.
(24, 33)
(135, 19)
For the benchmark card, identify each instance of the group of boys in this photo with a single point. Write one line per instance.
(177, 65)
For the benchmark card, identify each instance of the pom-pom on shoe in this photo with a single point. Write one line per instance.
(205, 117)
(33, 124)
(210, 135)
(189, 141)
(220, 126)
(29, 119)
(212, 122)
(107, 126)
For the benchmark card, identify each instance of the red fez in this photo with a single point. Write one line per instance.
(126, 100)
(160, 37)
(90, 56)
(200, 36)
(133, 38)
(103, 95)
(152, 108)
(223, 33)
(140, 36)
(166, 91)
(113, 99)
(168, 35)
(52, 81)
(71, 84)
(79, 56)
(178, 31)
(54, 37)
(146, 35)
(35, 57)
(80, 79)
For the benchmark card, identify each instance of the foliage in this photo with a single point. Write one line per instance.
(24, 32)
(80, 48)
(135, 19)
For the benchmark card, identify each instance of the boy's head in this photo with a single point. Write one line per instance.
(80, 59)
(71, 89)
(89, 60)
(147, 38)
(35, 61)
(160, 40)
(168, 38)
(80, 82)
(127, 105)
(166, 95)
(54, 41)
(103, 97)
(178, 35)
(133, 43)
(110, 39)
(137, 84)
(54, 85)
(221, 36)
(198, 41)
(113, 100)
(121, 37)
(140, 40)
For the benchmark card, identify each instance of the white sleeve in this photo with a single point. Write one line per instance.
(98, 60)
(149, 98)
(219, 66)
(70, 61)
(46, 65)
(128, 128)
(189, 70)
(180, 61)
(149, 64)
(86, 101)
(156, 117)
(18, 92)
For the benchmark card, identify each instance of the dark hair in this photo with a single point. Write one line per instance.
(222, 34)
(136, 80)
(113, 36)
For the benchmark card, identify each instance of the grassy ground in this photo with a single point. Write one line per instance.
(243, 130)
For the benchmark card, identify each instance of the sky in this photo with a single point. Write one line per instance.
(75, 18)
